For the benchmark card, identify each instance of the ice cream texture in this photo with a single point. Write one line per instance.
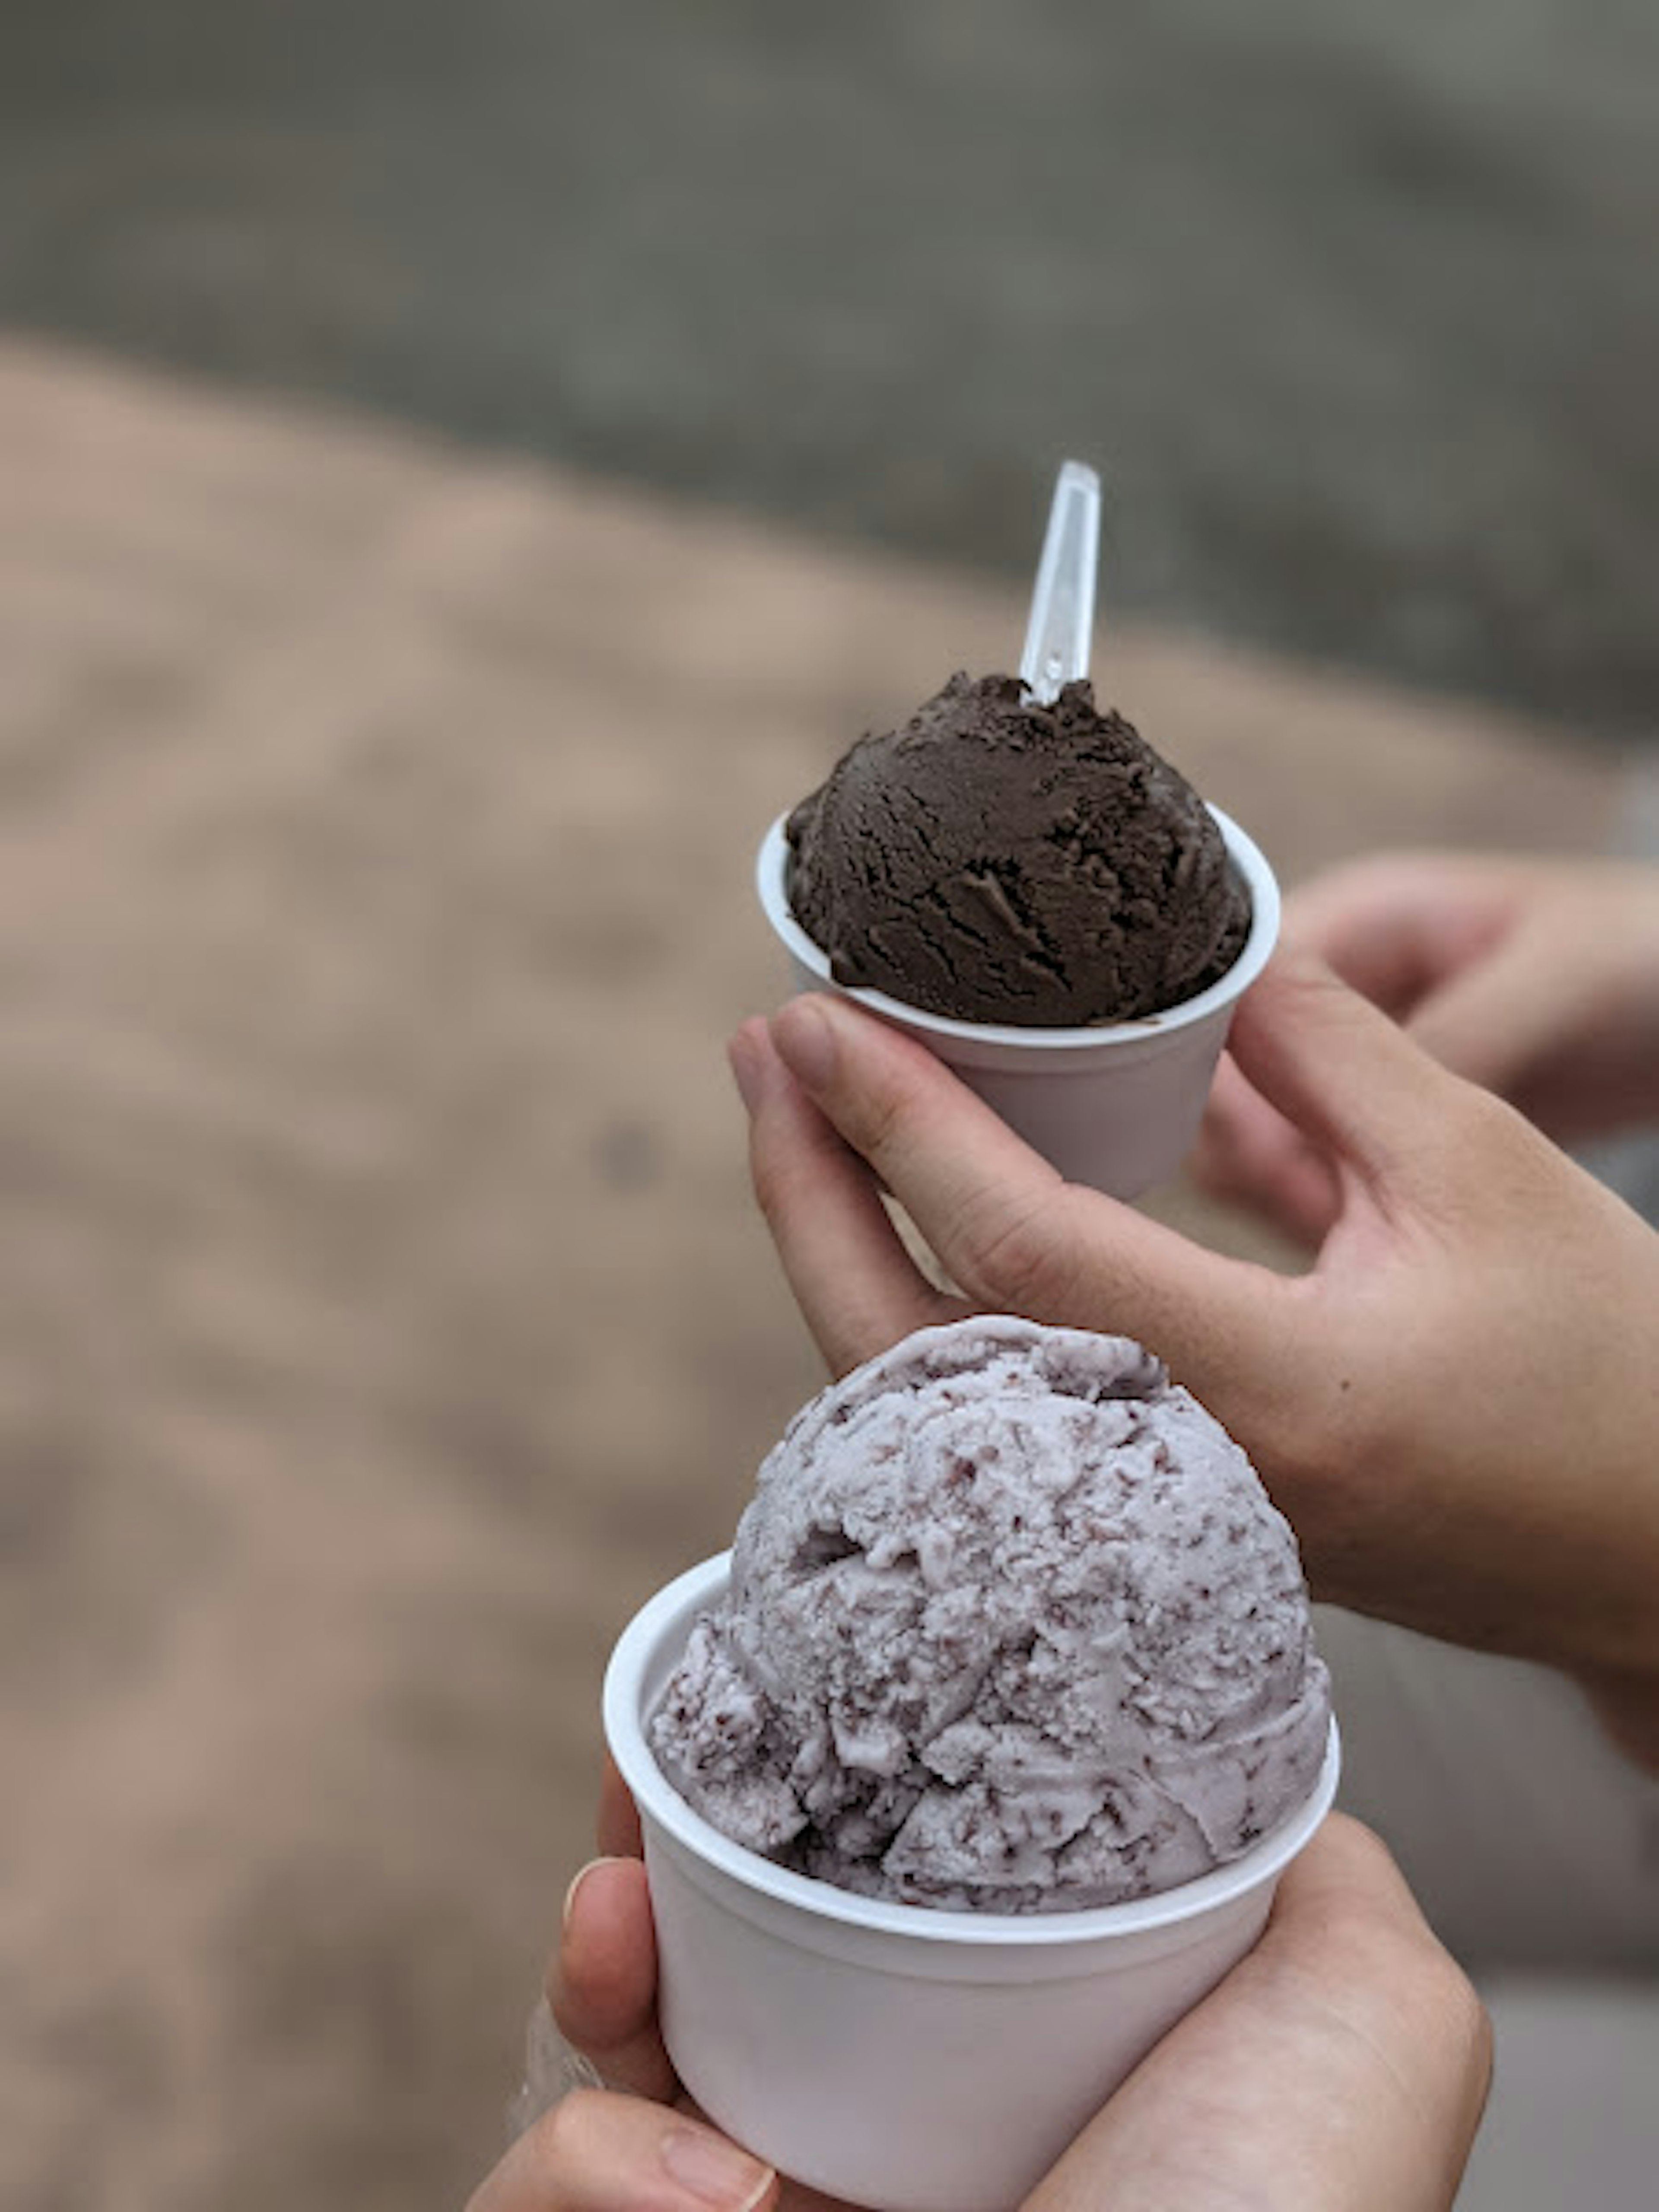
(1011, 1626)
(997, 860)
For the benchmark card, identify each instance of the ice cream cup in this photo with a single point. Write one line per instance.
(897, 2056)
(1116, 1105)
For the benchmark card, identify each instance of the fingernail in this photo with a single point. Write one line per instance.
(714, 2171)
(742, 1056)
(576, 1881)
(805, 1038)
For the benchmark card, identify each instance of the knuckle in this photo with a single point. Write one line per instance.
(1478, 1127)
(1464, 2011)
(1406, 1975)
(561, 2133)
(1450, 2018)
(1016, 1252)
(1486, 1166)
(1473, 1118)
(1476, 2036)
(877, 1128)
(783, 1176)
(770, 1182)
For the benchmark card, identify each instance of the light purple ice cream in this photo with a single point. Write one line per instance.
(1012, 1625)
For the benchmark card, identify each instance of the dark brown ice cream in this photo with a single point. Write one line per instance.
(998, 860)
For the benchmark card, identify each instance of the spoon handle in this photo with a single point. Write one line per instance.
(1059, 634)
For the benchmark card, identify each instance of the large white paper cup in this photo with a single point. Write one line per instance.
(1116, 1105)
(904, 2058)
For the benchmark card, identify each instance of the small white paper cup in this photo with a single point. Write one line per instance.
(903, 2058)
(1115, 1106)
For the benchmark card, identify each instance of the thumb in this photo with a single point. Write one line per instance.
(595, 2151)
(1343, 2061)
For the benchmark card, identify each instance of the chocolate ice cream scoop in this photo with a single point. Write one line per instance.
(1011, 1626)
(997, 860)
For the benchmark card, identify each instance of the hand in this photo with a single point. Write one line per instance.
(599, 2152)
(639, 2144)
(1458, 1407)
(635, 2146)
(1344, 2061)
(1537, 979)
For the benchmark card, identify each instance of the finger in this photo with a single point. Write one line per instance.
(1493, 1021)
(618, 1823)
(1394, 928)
(858, 1287)
(1247, 1152)
(1345, 1872)
(1344, 2061)
(597, 2153)
(1005, 1227)
(603, 1982)
(1345, 1077)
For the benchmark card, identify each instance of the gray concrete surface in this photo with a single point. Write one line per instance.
(1355, 306)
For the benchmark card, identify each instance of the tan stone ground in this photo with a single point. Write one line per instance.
(382, 1313)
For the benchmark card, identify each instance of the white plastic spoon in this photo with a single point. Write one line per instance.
(1061, 626)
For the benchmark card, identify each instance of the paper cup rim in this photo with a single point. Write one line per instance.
(771, 877)
(659, 1802)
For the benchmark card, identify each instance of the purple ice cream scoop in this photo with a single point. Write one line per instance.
(1012, 1625)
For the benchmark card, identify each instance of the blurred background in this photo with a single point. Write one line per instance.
(1353, 305)
(462, 470)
